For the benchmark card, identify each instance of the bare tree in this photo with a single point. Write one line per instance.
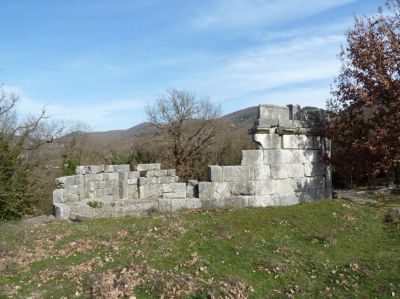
(187, 125)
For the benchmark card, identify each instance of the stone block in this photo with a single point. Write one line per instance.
(185, 203)
(132, 181)
(206, 190)
(273, 112)
(315, 182)
(93, 186)
(153, 173)
(72, 193)
(122, 175)
(252, 157)
(260, 201)
(268, 141)
(235, 173)
(287, 171)
(168, 179)
(174, 190)
(93, 177)
(142, 181)
(260, 173)
(280, 157)
(108, 176)
(288, 185)
(67, 181)
(164, 205)
(102, 192)
(61, 211)
(171, 172)
(243, 188)
(221, 190)
(122, 168)
(314, 169)
(105, 184)
(58, 196)
(301, 142)
(109, 168)
(150, 191)
(263, 188)
(147, 167)
(285, 199)
(133, 174)
(215, 173)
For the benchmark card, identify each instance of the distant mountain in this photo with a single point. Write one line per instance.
(241, 118)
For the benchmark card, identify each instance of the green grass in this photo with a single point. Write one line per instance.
(329, 249)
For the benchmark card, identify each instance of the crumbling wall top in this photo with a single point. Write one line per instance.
(290, 119)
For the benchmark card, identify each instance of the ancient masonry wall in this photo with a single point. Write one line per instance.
(285, 169)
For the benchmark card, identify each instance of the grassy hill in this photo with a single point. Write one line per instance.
(329, 249)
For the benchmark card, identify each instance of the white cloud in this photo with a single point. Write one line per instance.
(229, 14)
(273, 67)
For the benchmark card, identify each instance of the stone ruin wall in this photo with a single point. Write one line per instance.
(285, 169)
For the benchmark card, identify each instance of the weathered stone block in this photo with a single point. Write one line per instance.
(260, 173)
(285, 199)
(102, 192)
(109, 176)
(105, 184)
(168, 179)
(314, 169)
(93, 186)
(58, 196)
(206, 190)
(221, 190)
(72, 193)
(174, 190)
(67, 181)
(281, 157)
(273, 112)
(154, 173)
(243, 188)
(147, 167)
(301, 142)
(235, 173)
(260, 201)
(171, 172)
(287, 171)
(132, 181)
(315, 182)
(288, 185)
(252, 157)
(133, 174)
(150, 191)
(61, 211)
(93, 177)
(164, 205)
(268, 141)
(109, 168)
(263, 188)
(215, 173)
(122, 168)
(185, 203)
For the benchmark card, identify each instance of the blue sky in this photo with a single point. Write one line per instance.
(103, 61)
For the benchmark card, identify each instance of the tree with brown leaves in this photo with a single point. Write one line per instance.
(365, 103)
